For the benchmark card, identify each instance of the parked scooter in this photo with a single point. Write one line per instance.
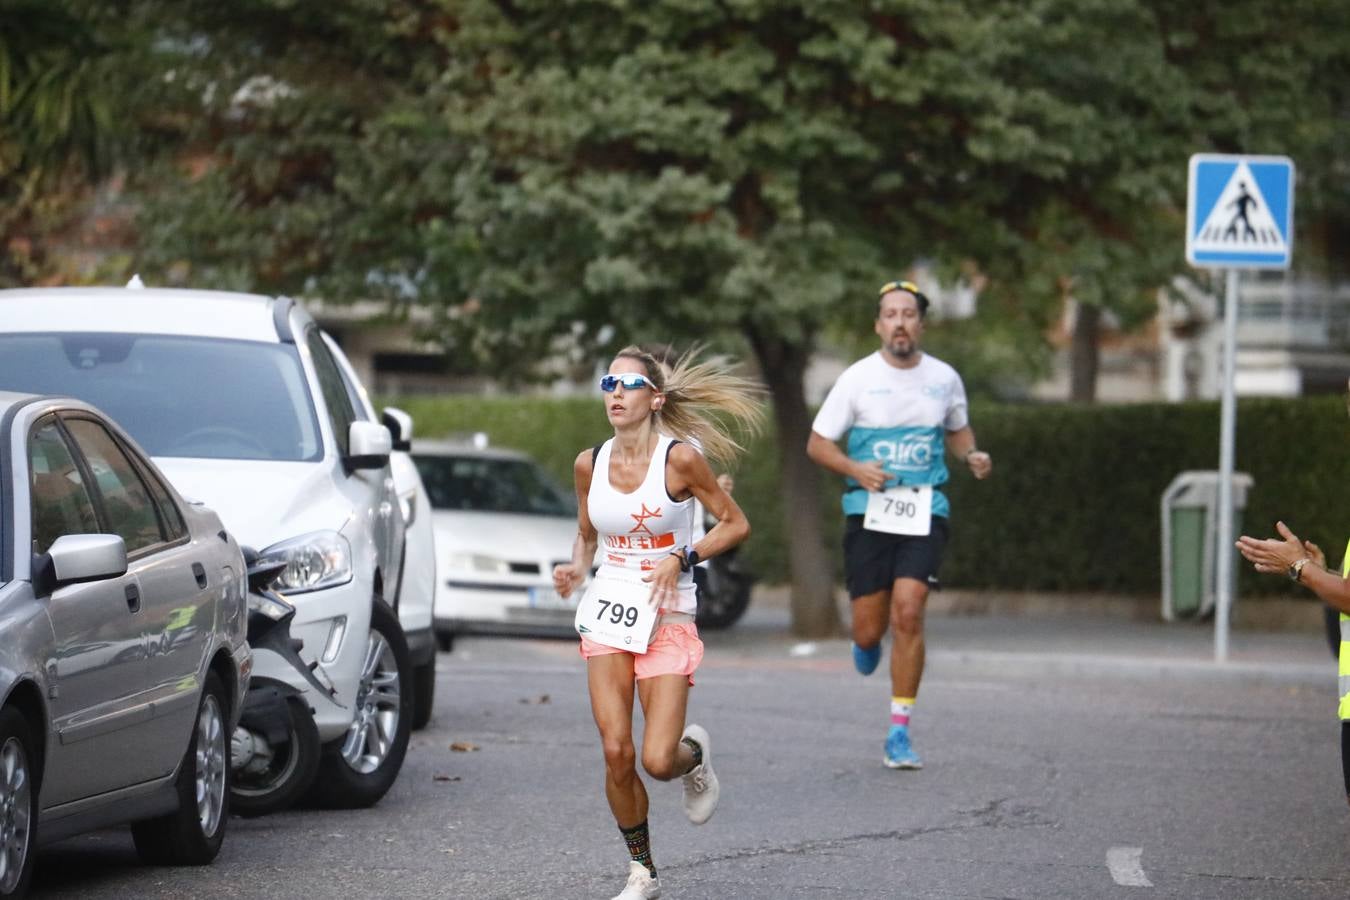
(274, 752)
(723, 582)
(724, 586)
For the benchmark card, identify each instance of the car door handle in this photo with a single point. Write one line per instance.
(200, 572)
(133, 598)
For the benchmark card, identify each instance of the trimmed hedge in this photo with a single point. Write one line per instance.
(1074, 501)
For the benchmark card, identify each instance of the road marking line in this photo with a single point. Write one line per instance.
(1125, 868)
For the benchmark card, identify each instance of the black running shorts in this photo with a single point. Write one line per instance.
(874, 559)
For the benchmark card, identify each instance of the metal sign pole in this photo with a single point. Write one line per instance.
(1227, 429)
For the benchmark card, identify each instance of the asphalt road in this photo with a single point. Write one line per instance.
(1043, 780)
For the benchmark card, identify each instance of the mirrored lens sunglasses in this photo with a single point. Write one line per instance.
(889, 286)
(631, 381)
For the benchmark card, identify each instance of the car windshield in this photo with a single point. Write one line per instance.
(485, 484)
(177, 396)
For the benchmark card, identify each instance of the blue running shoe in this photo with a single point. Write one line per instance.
(899, 754)
(865, 659)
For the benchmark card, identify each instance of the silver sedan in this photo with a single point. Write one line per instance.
(123, 657)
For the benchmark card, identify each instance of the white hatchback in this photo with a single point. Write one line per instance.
(501, 525)
(242, 403)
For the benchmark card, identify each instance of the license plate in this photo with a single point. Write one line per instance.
(548, 598)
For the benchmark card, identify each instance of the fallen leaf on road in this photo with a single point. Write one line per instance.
(463, 747)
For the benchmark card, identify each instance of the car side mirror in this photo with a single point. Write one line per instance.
(77, 558)
(400, 426)
(368, 446)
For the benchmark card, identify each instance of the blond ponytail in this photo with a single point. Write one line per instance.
(705, 402)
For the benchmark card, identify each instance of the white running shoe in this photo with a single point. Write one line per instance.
(701, 789)
(642, 884)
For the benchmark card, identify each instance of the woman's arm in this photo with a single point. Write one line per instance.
(567, 576)
(688, 473)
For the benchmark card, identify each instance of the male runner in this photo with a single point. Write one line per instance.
(901, 409)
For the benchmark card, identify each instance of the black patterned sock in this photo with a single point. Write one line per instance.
(697, 751)
(639, 843)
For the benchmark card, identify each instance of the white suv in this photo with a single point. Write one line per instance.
(242, 403)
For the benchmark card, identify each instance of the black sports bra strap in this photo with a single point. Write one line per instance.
(669, 447)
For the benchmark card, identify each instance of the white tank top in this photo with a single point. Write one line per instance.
(638, 530)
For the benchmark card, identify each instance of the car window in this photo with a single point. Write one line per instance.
(340, 411)
(355, 394)
(61, 501)
(484, 484)
(177, 396)
(126, 500)
(170, 517)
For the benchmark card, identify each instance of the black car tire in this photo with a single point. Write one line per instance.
(299, 768)
(181, 838)
(723, 597)
(14, 728)
(424, 693)
(339, 785)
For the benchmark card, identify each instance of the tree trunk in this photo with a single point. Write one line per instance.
(783, 365)
(1084, 353)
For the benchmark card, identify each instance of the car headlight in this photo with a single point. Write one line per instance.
(314, 561)
(477, 562)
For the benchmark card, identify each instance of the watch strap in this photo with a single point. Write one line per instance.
(1296, 570)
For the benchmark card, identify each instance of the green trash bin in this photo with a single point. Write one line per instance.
(1190, 513)
(1188, 560)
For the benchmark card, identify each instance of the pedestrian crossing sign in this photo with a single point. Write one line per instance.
(1240, 211)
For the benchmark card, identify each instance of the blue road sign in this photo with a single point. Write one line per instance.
(1240, 211)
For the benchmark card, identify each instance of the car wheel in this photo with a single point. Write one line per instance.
(18, 803)
(722, 599)
(191, 835)
(358, 768)
(276, 776)
(424, 693)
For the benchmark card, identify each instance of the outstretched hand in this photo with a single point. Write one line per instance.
(1274, 556)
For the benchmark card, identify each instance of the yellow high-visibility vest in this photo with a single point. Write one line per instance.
(1343, 669)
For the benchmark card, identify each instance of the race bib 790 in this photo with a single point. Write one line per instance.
(900, 510)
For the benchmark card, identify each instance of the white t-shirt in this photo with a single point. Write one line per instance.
(896, 416)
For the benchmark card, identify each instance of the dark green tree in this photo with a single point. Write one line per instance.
(56, 131)
(558, 178)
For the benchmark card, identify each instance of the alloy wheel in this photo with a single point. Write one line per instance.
(370, 737)
(210, 765)
(16, 810)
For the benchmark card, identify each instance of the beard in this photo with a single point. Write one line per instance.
(902, 346)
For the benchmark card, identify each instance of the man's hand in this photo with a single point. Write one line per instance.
(981, 463)
(871, 475)
(1274, 556)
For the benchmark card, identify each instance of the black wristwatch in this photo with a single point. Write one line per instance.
(687, 556)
